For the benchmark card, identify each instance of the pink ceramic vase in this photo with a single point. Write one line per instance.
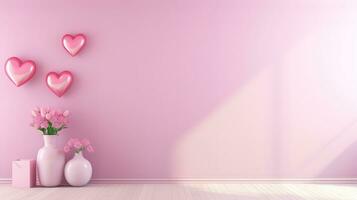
(50, 162)
(78, 170)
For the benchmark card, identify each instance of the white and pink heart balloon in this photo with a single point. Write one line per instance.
(73, 43)
(19, 72)
(59, 83)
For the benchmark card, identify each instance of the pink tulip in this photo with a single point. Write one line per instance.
(58, 112)
(34, 113)
(41, 117)
(90, 148)
(77, 144)
(71, 142)
(66, 149)
(35, 125)
(37, 121)
(66, 113)
(48, 116)
(85, 142)
(56, 125)
(37, 109)
(44, 124)
(44, 111)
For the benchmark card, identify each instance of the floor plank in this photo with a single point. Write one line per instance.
(197, 191)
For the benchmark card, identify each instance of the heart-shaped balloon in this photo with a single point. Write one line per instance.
(19, 72)
(73, 44)
(59, 83)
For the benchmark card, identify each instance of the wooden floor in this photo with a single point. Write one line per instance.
(184, 192)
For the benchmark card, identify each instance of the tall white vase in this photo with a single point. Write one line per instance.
(78, 170)
(50, 162)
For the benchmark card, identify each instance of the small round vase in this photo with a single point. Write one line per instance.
(78, 171)
(50, 162)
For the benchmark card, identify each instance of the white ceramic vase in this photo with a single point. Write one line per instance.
(50, 162)
(78, 171)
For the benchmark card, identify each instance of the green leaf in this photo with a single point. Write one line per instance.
(60, 128)
(51, 130)
(43, 130)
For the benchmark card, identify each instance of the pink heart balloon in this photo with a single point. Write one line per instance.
(59, 83)
(19, 72)
(73, 44)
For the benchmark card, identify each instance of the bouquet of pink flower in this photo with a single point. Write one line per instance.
(49, 121)
(78, 145)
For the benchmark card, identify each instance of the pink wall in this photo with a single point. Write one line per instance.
(191, 89)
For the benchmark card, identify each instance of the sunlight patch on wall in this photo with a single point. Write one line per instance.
(237, 134)
(319, 91)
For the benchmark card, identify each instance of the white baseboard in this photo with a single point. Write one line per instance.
(5, 180)
(172, 181)
(312, 180)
